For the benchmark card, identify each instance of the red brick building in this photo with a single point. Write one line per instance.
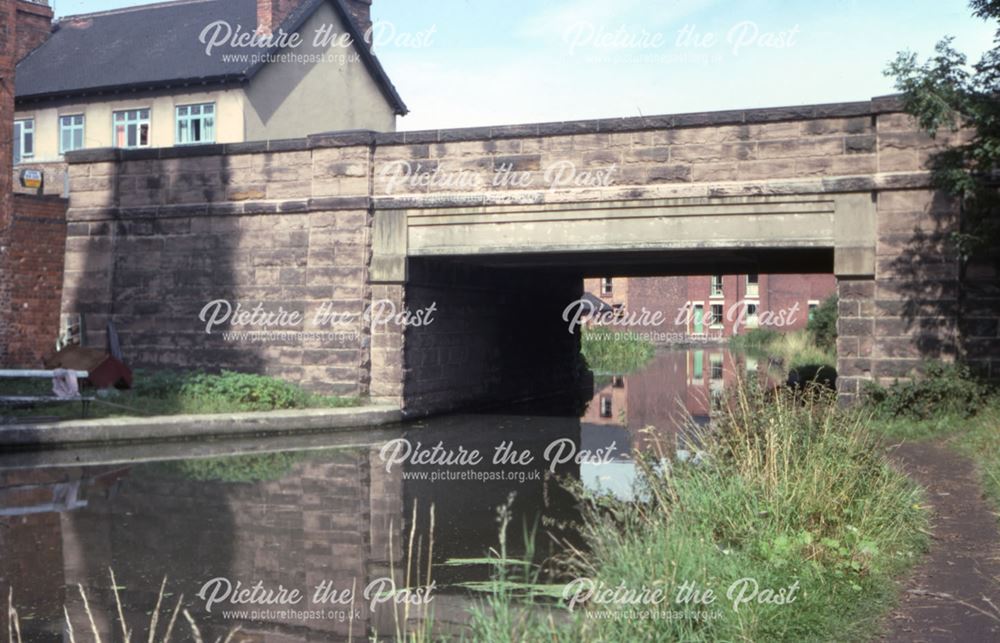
(32, 229)
(719, 305)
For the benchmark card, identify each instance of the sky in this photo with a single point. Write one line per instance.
(461, 63)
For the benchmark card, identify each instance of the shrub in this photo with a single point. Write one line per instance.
(171, 392)
(795, 349)
(944, 389)
(754, 340)
(610, 352)
(823, 325)
(252, 392)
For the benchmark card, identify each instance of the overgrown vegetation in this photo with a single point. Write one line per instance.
(176, 393)
(823, 325)
(943, 390)
(943, 93)
(795, 349)
(949, 401)
(609, 352)
(788, 491)
(814, 346)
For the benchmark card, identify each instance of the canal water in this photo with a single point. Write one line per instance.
(328, 515)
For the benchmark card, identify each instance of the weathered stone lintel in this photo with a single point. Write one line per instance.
(785, 187)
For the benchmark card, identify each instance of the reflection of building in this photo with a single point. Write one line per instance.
(719, 305)
(674, 389)
(610, 401)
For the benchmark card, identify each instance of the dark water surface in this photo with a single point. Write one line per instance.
(333, 512)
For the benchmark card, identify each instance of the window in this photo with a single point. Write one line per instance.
(715, 361)
(617, 381)
(752, 321)
(753, 287)
(813, 305)
(24, 140)
(132, 128)
(698, 367)
(607, 287)
(196, 124)
(70, 133)
(606, 409)
(717, 316)
(716, 286)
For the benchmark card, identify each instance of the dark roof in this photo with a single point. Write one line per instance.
(157, 46)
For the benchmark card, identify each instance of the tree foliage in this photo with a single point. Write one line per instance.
(945, 92)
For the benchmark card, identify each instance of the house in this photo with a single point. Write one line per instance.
(719, 306)
(193, 72)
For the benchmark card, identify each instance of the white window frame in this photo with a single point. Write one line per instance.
(138, 122)
(713, 291)
(717, 322)
(23, 126)
(607, 286)
(811, 307)
(752, 321)
(189, 118)
(716, 367)
(753, 288)
(607, 409)
(73, 127)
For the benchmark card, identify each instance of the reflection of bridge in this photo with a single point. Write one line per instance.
(475, 223)
(328, 511)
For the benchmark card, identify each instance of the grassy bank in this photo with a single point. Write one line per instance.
(177, 393)
(614, 353)
(949, 403)
(794, 495)
(795, 349)
(816, 345)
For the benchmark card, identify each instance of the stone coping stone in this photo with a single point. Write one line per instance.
(356, 138)
(186, 427)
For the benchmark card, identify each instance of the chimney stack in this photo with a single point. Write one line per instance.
(361, 14)
(271, 13)
(34, 25)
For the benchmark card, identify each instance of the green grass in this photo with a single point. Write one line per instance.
(790, 489)
(795, 349)
(177, 393)
(613, 353)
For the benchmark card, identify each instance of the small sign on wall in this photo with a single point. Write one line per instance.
(32, 179)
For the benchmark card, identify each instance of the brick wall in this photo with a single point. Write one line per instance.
(777, 293)
(34, 24)
(32, 268)
(7, 61)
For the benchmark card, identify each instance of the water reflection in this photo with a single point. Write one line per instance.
(301, 512)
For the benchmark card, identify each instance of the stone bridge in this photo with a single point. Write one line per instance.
(495, 227)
